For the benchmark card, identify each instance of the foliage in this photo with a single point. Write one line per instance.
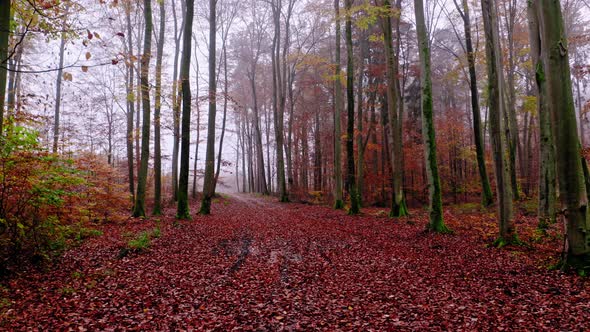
(259, 265)
(46, 202)
(143, 240)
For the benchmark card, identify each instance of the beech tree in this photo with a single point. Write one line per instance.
(338, 202)
(139, 207)
(5, 7)
(497, 107)
(183, 211)
(547, 176)
(486, 197)
(209, 181)
(398, 203)
(350, 172)
(157, 117)
(435, 195)
(572, 169)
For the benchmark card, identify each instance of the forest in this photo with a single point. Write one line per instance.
(294, 165)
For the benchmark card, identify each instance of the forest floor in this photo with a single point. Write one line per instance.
(256, 264)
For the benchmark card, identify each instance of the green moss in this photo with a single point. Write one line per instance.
(339, 204)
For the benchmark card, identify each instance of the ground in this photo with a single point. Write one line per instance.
(256, 264)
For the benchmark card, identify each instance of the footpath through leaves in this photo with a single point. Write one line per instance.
(260, 265)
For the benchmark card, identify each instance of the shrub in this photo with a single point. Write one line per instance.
(47, 202)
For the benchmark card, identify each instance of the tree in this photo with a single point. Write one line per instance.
(496, 105)
(350, 172)
(176, 96)
(130, 101)
(5, 18)
(209, 181)
(398, 202)
(486, 197)
(339, 203)
(572, 169)
(62, 47)
(547, 179)
(436, 223)
(183, 211)
(139, 208)
(158, 105)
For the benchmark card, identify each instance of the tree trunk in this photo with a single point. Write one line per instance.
(436, 223)
(571, 166)
(497, 109)
(5, 7)
(398, 206)
(514, 144)
(139, 208)
(209, 181)
(130, 104)
(359, 117)
(257, 131)
(225, 92)
(176, 94)
(62, 48)
(547, 167)
(487, 198)
(183, 211)
(350, 172)
(158, 106)
(339, 203)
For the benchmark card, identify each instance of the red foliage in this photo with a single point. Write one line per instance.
(256, 264)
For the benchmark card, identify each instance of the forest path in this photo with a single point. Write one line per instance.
(256, 264)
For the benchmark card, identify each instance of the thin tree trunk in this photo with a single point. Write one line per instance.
(198, 139)
(130, 105)
(209, 181)
(398, 206)
(339, 203)
(183, 211)
(486, 199)
(176, 94)
(139, 208)
(62, 48)
(436, 223)
(158, 106)
(359, 109)
(497, 109)
(5, 7)
(351, 176)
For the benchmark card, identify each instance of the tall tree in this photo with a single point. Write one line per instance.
(183, 211)
(572, 169)
(176, 99)
(497, 107)
(139, 208)
(436, 223)
(130, 101)
(158, 106)
(398, 202)
(62, 48)
(339, 203)
(5, 6)
(547, 179)
(279, 66)
(350, 172)
(486, 197)
(510, 96)
(209, 181)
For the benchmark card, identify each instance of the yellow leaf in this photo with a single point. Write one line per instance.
(279, 317)
(88, 55)
(85, 69)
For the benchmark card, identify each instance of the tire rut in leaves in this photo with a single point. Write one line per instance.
(244, 252)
